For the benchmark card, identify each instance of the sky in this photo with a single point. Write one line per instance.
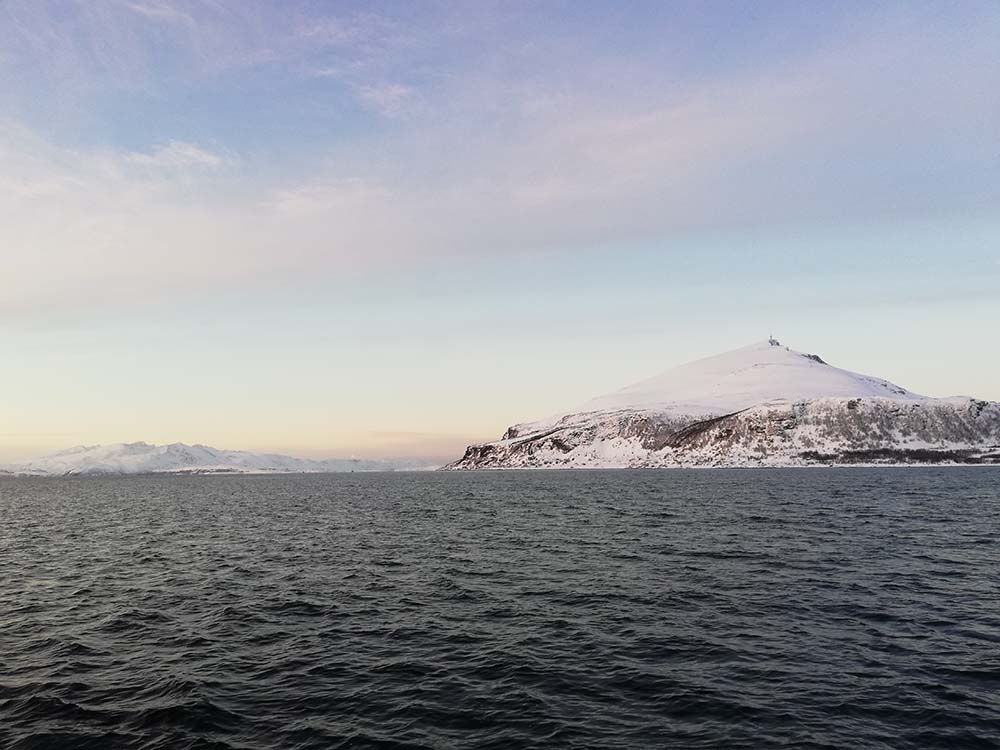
(393, 229)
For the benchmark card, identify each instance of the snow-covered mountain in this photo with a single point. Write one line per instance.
(179, 458)
(762, 405)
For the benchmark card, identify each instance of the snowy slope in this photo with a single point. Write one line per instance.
(143, 458)
(756, 374)
(763, 404)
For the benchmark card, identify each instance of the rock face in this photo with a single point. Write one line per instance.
(763, 405)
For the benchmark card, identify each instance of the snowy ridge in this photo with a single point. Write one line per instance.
(735, 380)
(765, 372)
(762, 405)
(179, 458)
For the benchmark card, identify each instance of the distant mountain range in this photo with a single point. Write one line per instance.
(179, 458)
(762, 405)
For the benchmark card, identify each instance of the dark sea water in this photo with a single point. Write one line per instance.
(621, 609)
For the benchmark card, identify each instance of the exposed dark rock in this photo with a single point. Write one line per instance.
(855, 430)
(902, 456)
(692, 431)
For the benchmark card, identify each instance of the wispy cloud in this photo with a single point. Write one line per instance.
(389, 99)
(176, 155)
(361, 50)
(364, 32)
(331, 31)
(325, 198)
(162, 12)
(327, 72)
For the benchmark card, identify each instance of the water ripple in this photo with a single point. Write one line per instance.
(703, 609)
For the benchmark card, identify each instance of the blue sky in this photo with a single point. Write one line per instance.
(394, 228)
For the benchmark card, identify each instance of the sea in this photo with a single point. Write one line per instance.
(808, 608)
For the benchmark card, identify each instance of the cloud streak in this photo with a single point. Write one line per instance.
(177, 155)
(161, 12)
(390, 99)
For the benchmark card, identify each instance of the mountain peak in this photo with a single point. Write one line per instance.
(761, 405)
(760, 373)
